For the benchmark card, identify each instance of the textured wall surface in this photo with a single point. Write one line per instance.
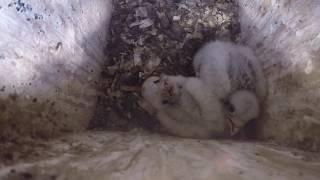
(51, 53)
(286, 36)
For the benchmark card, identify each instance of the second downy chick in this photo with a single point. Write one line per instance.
(234, 74)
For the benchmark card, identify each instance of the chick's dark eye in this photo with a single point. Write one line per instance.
(229, 107)
(165, 102)
(156, 81)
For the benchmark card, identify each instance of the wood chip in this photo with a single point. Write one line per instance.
(176, 18)
(145, 23)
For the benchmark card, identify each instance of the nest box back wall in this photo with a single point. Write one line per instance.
(286, 36)
(50, 59)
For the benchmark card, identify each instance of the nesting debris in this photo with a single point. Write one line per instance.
(149, 37)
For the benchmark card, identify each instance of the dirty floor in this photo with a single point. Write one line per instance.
(135, 155)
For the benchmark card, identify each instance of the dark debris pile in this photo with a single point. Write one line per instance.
(149, 37)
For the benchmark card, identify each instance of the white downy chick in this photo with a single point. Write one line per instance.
(185, 107)
(227, 67)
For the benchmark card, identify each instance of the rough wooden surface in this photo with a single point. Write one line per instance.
(137, 156)
(286, 36)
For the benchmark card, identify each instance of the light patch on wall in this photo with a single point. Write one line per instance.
(309, 67)
(299, 33)
(316, 43)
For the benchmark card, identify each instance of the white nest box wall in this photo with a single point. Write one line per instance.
(286, 36)
(51, 53)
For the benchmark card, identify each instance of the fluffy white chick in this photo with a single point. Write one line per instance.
(185, 107)
(227, 67)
